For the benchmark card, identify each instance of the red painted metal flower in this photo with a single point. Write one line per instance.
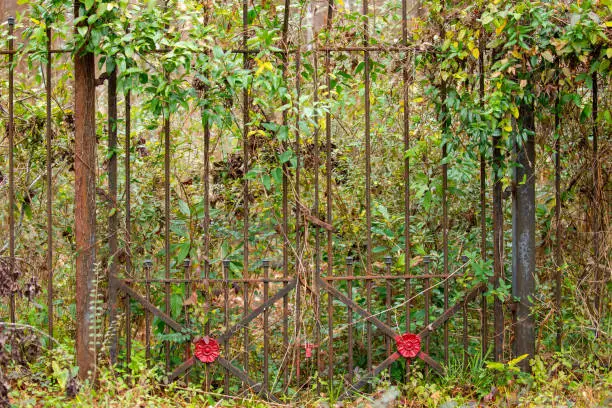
(206, 349)
(309, 347)
(408, 344)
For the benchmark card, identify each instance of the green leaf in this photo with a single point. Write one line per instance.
(277, 174)
(184, 208)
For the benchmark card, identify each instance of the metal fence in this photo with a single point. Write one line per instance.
(274, 330)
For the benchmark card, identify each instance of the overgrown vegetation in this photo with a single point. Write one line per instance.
(180, 62)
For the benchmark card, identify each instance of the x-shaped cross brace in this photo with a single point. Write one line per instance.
(241, 374)
(388, 331)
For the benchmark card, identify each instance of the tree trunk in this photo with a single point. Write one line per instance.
(523, 235)
(85, 204)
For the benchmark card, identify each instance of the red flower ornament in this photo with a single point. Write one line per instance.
(408, 344)
(206, 349)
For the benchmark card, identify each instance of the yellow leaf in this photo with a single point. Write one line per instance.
(609, 52)
(515, 112)
(499, 29)
(476, 53)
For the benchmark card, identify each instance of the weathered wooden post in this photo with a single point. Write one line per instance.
(85, 200)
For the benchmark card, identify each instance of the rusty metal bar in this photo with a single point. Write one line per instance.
(230, 331)
(558, 255)
(328, 165)
(484, 330)
(167, 147)
(599, 284)
(266, 314)
(389, 294)
(245, 194)
(211, 280)
(426, 261)
(349, 289)
(498, 246)
(187, 272)
(285, 203)
(147, 264)
(128, 334)
(465, 335)
(388, 277)
(226, 345)
(357, 49)
(128, 213)
(166, 318)
(11, 158)
(445, 137)
(330, 334)
(299, 268)
(406, 137)
(49, 185)
(206, 226)
(113, 208)
(368, 147)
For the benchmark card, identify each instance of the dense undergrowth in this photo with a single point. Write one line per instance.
(563, 379)
(549, 54)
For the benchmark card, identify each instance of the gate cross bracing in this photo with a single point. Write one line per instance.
(301, 284)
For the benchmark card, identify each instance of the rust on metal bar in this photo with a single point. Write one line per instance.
(558, 254)
(245, 192)
(49, 185)
(167, 153)
(266, 316)
(226, 345)
(113, 208)
(147, 267)
(285, 203)
(349, 290)
(257, 311)
(11, 163)
(170, 322)
(389, 277)
(484, 330)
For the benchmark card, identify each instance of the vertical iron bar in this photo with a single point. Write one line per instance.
(317, 231)
(128, 334)
(298, 246)
(245, 194)
(483, 207)
(187, 275)
(285, 204)
(498, 245)
(558, 259)
(11, 147)
(368, 169)
(389, 293)
(465, 335)
(466, 344)
(597, 202)
(368, 183)
(226, 346)
(49, 179)
(406, 137)
(445, 137)
(167, 226)
(328, 156)
(128, 211)
(426, 261)
(148, 264)
(206, 226)
(349, 289)
(113, 216)
(266, 351)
